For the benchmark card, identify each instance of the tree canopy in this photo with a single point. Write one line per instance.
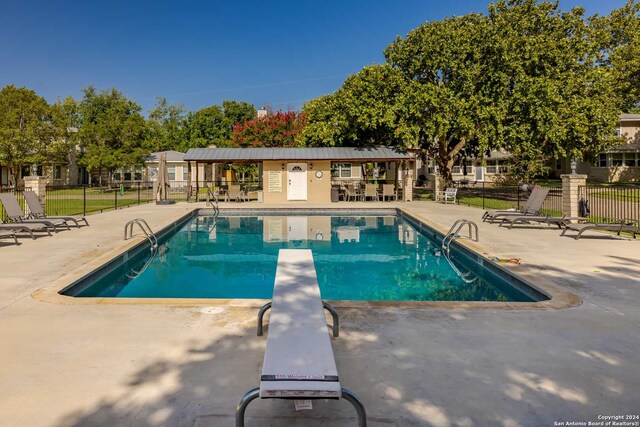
(526, 77)
(26, 127)
(276, 130)
(111, 130)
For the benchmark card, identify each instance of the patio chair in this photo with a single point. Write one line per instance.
(532, 206)
(352, 192)
(9, 233)
(371, 191)
(450, 194)
(624, 226)
(389, 190)
(298, 361)
(37, 211)
(234, 193)
(14, 213)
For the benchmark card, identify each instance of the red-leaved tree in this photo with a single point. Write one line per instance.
(276, 130)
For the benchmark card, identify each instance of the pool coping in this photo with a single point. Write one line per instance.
(559, 297)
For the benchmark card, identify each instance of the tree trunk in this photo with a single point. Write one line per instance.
(447, 157)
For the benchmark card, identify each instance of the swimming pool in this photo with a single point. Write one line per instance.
(375, 256)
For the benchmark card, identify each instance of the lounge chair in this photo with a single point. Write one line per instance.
(371, 191)
(9, 233)
(559, 221)
(532, 206)
(37, 211)
(389, 190)
(626, 226)
(14, 213)
(450, 194)
(27, 228)
(298, 360)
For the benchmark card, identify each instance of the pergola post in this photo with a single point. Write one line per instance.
(188, 181)
(197, 183)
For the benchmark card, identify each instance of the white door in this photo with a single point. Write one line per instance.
(297, 228)
(479, 173)
(297, 181)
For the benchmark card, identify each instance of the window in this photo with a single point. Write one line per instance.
(138, 173)
(617, 159)
(57, 172)
(602, 160)
(185, 173)
(456, 169)
(558, 164)
(127, 174)
(341, 170)
(153, 173)
(172, 173)
(117, 175)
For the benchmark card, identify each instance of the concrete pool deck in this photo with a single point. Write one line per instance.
(150, 365)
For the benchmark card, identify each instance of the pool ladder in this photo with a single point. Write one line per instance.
(144, 226)
(212, 199)
(451, 235)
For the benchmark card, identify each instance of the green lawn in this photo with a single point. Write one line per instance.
(488, 203)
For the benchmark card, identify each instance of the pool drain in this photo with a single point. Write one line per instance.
(212, 310)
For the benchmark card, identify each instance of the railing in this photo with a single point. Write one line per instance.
(612, 204)
(19, 193)
(488, 196)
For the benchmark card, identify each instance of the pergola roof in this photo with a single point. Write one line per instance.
(224, 155)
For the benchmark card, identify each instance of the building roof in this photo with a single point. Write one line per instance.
(630, 147)
(220, 155)
(172, 156)
(629, 117)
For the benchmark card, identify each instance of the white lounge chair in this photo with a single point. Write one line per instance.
(298, 361)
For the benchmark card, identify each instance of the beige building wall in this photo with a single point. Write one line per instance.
(630, 130)
(274, 182)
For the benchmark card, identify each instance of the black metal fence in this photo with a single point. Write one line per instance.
(612, 204)
(488, 196)
(19, 193)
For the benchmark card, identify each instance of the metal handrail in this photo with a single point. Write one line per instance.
(146, 229)
(455, 229)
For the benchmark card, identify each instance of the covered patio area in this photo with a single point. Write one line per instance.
(320, 175)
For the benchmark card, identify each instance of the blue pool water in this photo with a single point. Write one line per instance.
(356, 258)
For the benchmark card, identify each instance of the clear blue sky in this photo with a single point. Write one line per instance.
(200, 53)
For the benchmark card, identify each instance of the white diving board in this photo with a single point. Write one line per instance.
(298, 360)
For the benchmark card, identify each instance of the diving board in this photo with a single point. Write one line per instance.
(298, 362)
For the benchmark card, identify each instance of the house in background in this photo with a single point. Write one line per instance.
(178, 169)
(621, 164)
(486, 169)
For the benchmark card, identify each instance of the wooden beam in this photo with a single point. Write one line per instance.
(197, 182)
(188, 181)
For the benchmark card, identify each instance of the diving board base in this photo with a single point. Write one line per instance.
(345, 394)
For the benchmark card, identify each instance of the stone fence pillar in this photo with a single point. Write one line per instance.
(571, 184)
(37, 184)
(407, 187)
(435, 183)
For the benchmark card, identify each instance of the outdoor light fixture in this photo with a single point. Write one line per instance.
(283, 166)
